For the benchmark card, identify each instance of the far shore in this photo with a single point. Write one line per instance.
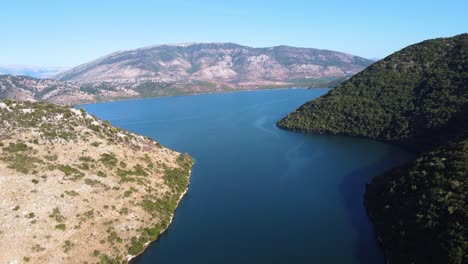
(195, 94)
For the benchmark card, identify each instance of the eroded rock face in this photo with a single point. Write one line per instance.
(219, 63)
(75, 188)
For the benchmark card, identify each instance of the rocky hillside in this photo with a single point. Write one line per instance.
(216, 65)
(77, 190)
(34, 89)
(416, 98)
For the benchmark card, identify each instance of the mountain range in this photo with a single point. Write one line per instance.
(167, 70)
(217, 65)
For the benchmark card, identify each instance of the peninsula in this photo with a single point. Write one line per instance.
(75, 189)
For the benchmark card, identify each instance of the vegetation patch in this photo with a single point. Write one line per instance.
(57, 215)
(109, 160)
(60, 227)
(71, 171)
(21, 162)
(16, 147)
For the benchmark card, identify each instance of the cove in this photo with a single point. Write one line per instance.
(259, 194)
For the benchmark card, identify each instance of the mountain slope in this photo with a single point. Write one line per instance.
(75, 189)
(421, 210)
(416, 98)
(201, 65)
(33, 89)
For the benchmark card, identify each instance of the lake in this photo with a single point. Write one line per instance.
(259, 194)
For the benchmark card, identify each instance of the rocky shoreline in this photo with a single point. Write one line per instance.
(132, 257)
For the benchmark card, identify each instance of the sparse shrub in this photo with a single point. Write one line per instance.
(123, 211)
(37, 248)
(16, 147)
(92, 182)
(70, 171)
(20, 162)
(60, 227)
(109, 159)
(86, 159)
(67, 246)
(57, 215)
(71, 193)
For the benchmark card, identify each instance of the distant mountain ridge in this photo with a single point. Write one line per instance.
(186, 68)
(32, 71)
(216, 65)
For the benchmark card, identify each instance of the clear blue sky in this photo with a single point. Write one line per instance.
(68, 33)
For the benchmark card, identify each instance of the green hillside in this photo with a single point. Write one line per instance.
(416, 98)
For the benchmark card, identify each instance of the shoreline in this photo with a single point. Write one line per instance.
(195, 94)
(414, 154)
(130, 257)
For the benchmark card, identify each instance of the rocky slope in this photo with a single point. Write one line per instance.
(216, 65)
(34, 89)
(416, 98)
(76, 189)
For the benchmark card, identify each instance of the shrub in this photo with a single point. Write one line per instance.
(109, 159)
(60, 227)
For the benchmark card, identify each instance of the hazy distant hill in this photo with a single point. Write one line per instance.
(417, 98)
(217, 66)
(33, 71)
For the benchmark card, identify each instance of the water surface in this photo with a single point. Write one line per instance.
(259, 194)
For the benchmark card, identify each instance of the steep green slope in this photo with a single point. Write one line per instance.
(421, 209)
(416, 98)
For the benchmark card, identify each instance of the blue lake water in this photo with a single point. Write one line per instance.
(259, 194)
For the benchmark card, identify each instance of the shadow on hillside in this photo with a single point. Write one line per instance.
(351, 190)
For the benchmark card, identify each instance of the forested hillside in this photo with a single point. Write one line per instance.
(416, 98)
